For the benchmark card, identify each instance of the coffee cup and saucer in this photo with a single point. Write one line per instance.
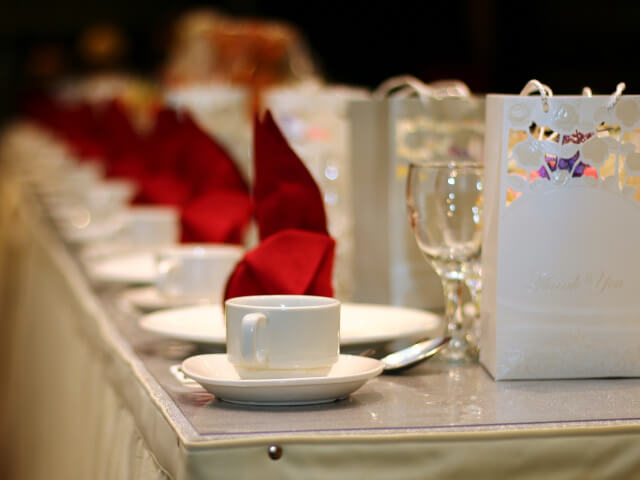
(281, 350)
(187, 274)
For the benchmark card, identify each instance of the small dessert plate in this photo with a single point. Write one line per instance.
(366, 324)
(94, 231)
(359, 324)
(149, 299)
(218, 376)
(136, 267)
(201, 324)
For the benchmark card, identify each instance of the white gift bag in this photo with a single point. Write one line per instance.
(385, 134)
(561, 246)
(313, 118)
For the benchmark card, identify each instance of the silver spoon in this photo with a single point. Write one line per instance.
(413, 355)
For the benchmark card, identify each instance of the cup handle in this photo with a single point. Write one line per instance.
(165, 276)
(251, 351)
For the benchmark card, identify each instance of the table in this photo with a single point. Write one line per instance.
(87, 394)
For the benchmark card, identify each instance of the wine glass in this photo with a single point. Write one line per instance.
(445, 206)
(472, 273)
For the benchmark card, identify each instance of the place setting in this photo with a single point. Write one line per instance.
(289, 349)
(129, 257)
(171, 275)
(282, 350)
(156, 250)
(93, 210)
(144, 227)
(185, 274)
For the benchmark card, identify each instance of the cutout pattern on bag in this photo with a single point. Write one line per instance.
(600, 154)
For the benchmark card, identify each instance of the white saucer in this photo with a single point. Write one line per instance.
(135, 267)
(149, 299)
(359, 324)
(102, 250)
(218, 376)
(94, 231)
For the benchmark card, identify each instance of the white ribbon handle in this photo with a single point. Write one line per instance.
(401, 86)
(546, 93)
(615, 96)
(405, 85)
(544, 90)
(449, 88)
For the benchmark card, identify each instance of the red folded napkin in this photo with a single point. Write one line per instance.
(81, 132)
(87, 148)
(168, 143)
(292, 262)
(75, 123)
(218, 216)
(207, 165)
(117, 130)
(295, 255)
(285, 194)
(162, 189)
(189, 169)
(130, 165)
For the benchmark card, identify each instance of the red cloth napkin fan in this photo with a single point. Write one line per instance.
(285, 194)
(192, 171)
(217, 216)
(296, 253)
(178, 164)
(292, 262)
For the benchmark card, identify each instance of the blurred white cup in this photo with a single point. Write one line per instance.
(151, 226)
(108, 197)
(195, 272)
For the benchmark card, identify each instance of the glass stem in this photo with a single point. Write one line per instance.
(453, 313)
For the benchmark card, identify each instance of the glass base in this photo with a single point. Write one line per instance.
(459, 351)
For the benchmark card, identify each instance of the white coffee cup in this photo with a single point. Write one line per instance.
(106, 198)
(151, 226)
(282, 336)
(82, 178)
(195, 272)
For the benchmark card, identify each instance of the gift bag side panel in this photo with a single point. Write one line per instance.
(493, 154)
(369, 159)
(414, 283)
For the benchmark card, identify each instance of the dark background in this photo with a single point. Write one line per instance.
(492, 45)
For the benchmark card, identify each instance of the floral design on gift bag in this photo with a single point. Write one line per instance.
(563, 271)
(600, 155)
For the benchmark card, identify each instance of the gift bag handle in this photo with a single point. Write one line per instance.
(405, 85)
(615, 96)
(546, 93)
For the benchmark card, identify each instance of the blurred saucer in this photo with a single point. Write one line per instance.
(134, 267)
(149, 299)
(93, 231)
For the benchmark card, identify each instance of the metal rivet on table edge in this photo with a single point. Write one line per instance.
(275, 452)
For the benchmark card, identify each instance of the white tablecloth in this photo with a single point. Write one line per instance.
(79, 403)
